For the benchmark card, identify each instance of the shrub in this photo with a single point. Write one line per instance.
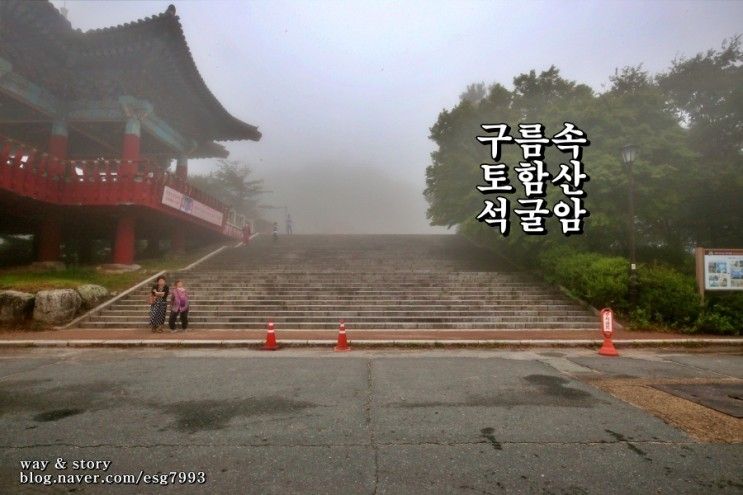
(668, 296)
(665, 296)
(723, 314)
(600, 280)
(713, 322)
(606, 282)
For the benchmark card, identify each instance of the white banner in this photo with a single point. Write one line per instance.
(188, 205)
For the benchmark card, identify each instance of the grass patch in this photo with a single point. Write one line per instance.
(26, 279)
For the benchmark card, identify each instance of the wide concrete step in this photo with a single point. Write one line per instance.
(306, 273)
(339, 288)
(330, 268)
(328, 325)
(333, 306)
(355, 312)
(351, 276)
(422, 291)
(348, 302)
(216, 284)
(361, 322)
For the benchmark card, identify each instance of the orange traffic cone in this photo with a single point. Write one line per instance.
(607, 330)
(608, 349)
(342, 340)
(271, 344)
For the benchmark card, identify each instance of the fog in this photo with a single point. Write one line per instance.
(345, 92)
(341, 198)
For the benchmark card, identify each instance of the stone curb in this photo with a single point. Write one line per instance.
(407, 343)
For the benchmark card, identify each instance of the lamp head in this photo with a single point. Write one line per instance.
(629, 153)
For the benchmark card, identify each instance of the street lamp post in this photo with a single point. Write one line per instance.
(629, 154)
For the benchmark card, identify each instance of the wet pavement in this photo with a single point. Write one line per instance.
(394, 421)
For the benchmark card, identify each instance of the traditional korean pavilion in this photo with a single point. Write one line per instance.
(90, 123)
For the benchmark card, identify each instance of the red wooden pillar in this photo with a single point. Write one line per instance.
(124, 242)
(50, 237)
(181, 168)
(130, 148)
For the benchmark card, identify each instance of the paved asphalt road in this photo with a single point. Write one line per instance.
(397, 422)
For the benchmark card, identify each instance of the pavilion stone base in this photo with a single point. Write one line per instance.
(47, 266)
(114, 268)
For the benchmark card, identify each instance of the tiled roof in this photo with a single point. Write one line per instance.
(148, 59)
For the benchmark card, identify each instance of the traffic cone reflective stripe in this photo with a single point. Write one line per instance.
(342, 338)
(271, 344)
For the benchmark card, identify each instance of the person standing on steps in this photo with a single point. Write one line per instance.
(275, 231)
(179, 306)
(289, 226)
(246, 233)
(158, 304)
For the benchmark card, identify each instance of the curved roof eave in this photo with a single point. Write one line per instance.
(167, 25)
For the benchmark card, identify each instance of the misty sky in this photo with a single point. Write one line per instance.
(356, 85)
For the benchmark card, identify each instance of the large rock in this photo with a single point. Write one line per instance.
(56, 306)
(15, 306)
(92, 295)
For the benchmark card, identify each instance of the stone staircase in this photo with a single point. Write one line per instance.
(381, 282)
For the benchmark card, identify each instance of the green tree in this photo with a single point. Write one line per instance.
(706, 92)
(633, 110)
(232, 184)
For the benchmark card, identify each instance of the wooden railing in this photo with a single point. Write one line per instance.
(28, 172)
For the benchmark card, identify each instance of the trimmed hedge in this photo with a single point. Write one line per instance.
(665, 296)
(600, 280)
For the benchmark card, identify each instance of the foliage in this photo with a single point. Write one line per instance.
(715, 322)
(688, 126)
(599, 280)
(723, 314)
(668, 297)
(706, 92)
(232, 184)
(633, 110)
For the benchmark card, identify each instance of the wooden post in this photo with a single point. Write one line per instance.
(699, 259)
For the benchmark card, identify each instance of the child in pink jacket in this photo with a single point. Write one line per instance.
(178, 306)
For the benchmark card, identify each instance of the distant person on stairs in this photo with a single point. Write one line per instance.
(275, 231)
(179, 306)
(158, 304)
(246, 233)
(289, 225)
